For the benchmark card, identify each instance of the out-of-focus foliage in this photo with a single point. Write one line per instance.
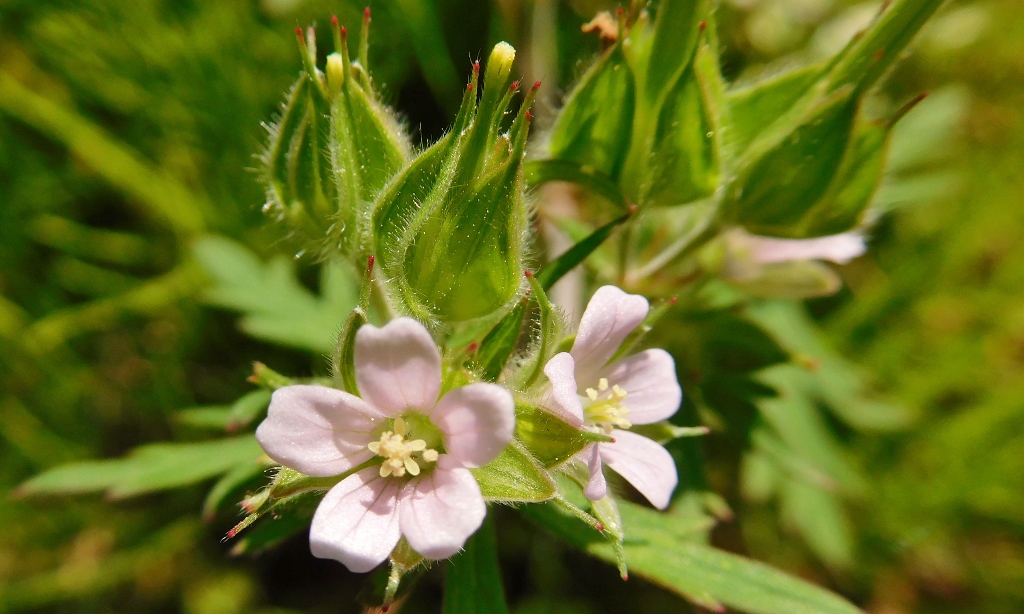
(127, 130)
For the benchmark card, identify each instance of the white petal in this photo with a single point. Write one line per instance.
(596, 487)
(840, 248)
(561, 398)
(318, 430)
(357, 521)
(440, 510)
(398, 366)
(477, 422)
(644, 463)
(609, 317)
(652, 389)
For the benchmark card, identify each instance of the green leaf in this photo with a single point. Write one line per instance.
(550, 440)
(230, 484)
(274, 306)
(575, 255)
(215, 417)
(472, 582)
(594, 126)
(514, 477)
(150, 468)
(663, 550)
(248, 409)
(821, 520)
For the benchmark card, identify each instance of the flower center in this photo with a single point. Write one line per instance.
(401, 450)
(603, 407)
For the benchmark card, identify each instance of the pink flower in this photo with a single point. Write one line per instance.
(417, 484)
(588, 392)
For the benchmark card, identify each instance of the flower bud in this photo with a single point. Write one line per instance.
(449, 230)
(330, 153)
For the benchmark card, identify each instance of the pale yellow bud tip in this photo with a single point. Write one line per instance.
(335, 73)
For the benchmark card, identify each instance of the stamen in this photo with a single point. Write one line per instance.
(605, 410)
(397, 451)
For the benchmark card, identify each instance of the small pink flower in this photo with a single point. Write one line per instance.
(420, 448)
(588, 392)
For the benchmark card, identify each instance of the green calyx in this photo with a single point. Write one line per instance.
(316, 165)
(449, 229)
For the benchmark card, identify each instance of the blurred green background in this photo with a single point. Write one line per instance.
(128, 129)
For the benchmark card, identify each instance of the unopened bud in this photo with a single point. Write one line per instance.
(335, 73)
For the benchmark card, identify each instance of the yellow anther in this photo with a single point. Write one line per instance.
(605, 410)
(397, 451)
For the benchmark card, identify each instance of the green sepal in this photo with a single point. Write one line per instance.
(607, 511)
(294, 166)
(362, 130)
(548, 329)
(500, 343)
(450, 228)
(515, 477)
(868, 56)
(664, 432)
(593, 128)
(278, 521)
(785, 173)
(673, 154)
(854, 185)
(289, 482)
(264, 376)
(402, 561)
(318, 181)
(551, 440)
(753, 108)
(343, 361)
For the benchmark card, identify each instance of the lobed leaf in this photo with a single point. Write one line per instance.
(154, 467)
